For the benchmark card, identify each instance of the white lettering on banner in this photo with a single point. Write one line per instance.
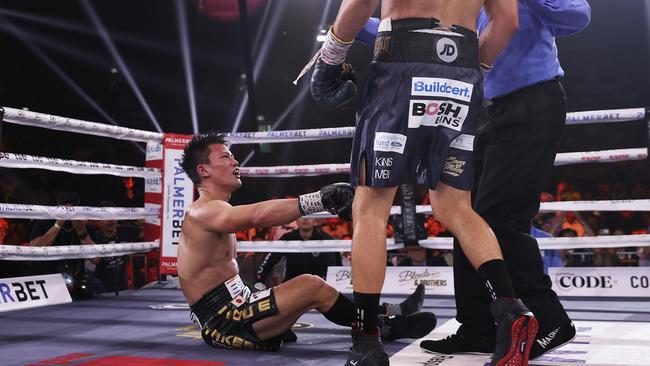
(436, 113)
(601, 281)
(463, 142)
(437, 87)
(28, 292)
(389, 142)
(400, 280)
(178, 194)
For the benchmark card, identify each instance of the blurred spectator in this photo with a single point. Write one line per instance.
(276, 232)
(249, 261)
(300, 263)
(605, 257)
(572, 220)
(61, 232)
(644, 256)
(419, 256)
(545, 220)
(336, 228)
(575, 257)
(109, 274)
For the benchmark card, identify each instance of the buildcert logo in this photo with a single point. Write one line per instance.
(568, 281)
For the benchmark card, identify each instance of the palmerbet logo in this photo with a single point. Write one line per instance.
(437, 87)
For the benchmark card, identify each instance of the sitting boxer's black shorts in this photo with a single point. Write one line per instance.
(226, 315)
(420, 107)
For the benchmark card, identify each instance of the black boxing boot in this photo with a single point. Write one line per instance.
(516, 331)
(366, 350)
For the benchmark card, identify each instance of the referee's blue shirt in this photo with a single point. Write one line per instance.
(531, 55)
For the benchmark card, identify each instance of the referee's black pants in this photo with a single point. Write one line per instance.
(514, 153)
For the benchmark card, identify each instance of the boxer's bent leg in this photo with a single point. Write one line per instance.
(294, 298)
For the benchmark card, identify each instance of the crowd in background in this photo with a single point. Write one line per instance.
(597, 182)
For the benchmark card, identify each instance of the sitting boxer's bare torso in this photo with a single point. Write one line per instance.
(205, 258)
(460, 12)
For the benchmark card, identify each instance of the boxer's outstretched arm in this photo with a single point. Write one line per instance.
(503, 24)
(221, 217)
(352, 16)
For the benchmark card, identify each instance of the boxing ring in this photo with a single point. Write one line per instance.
(151, 326)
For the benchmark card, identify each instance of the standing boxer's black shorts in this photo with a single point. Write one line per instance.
(226, 315)
(420, 107)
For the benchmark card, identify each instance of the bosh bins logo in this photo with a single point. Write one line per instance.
(435, 113)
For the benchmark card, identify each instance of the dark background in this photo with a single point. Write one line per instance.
(607, 66)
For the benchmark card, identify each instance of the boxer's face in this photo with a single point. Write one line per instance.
(223, 168)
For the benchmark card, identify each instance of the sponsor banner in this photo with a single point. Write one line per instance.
(400, 280)
(29, 292)
(154, 151)
(437, 87)
(178, 193)
(389, 142)
(601, 281)
(153, 185)
(436, 113)
(175, 141)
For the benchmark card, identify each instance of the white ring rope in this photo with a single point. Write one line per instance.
(14, 252)
(323, 246)
(22, 161)
(605, 116)
(30, 118)
(52, 122)
(20, 211)
(269, 137)
(604, 156)
(48, 253)
(604, 205)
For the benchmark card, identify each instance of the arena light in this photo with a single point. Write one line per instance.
(181, 21)
(9, 26)
(105, 37)
(263, 43)
(322, 36)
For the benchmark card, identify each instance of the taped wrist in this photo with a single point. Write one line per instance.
(310, 203)
(334, 50)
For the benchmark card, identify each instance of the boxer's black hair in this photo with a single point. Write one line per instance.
(197, 151)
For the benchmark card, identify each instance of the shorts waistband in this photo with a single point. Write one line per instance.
(426, 40)
(222, 294)
(425, 25)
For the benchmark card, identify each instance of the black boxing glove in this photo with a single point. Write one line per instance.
(334, 198)
(333, 82)
(332, 85)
